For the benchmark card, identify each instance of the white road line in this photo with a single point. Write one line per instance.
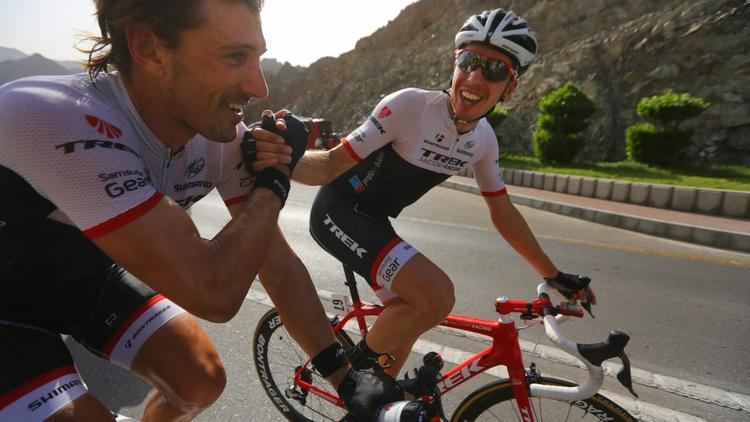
(642, 410)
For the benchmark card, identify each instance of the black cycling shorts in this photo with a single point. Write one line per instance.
(366, 243)
(112, 315)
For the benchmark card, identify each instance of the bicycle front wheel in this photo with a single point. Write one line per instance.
(495, 402)
(277, 357)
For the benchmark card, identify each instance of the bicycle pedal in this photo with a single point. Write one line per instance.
(294, 394)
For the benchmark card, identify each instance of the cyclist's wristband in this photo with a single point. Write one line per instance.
(274, 180)
(330, 360)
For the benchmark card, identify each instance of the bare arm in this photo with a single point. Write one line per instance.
(288, 283)
(514, 229)
(321, 167)
(209, 278)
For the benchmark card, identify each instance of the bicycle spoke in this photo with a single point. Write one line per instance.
(278, 359)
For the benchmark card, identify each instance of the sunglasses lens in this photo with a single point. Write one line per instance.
(493, 70)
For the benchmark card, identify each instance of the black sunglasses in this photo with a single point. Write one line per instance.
(493, 70)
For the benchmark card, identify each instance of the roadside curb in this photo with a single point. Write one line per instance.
(682, 232)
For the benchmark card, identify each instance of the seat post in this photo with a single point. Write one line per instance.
(352, 283)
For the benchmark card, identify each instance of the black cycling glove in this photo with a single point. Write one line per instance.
(364, 393)
(272, 178)
(569, 284)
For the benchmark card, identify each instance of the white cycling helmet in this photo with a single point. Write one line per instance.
(503, 30)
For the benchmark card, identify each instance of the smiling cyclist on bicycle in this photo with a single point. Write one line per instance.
(413, 140)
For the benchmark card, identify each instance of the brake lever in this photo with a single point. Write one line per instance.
(587, 307)
(624, 375)
(587, 304)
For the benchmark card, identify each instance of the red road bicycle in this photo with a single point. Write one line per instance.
(300, 394)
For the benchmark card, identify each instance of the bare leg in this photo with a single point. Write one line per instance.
(84, 408)
(425, 298)
(182, 364)
(292, 291)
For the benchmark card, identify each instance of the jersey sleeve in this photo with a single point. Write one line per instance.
(235, 182)
(77, 155)
(390, 121)
(487, 171)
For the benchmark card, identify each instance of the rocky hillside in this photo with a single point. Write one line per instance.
(618, 51)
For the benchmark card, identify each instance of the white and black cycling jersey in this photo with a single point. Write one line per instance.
(410, 144)
(77, 162)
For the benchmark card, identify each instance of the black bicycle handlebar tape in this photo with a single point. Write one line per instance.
(613, 346)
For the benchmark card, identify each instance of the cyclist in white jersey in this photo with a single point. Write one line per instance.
(98, 171)
(413, 140)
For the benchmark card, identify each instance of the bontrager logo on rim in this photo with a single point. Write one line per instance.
(108, 129)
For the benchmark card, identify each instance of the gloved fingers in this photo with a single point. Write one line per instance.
(278, 118)
(279, 115)
(584, 296)
(260, 165)
(262, 135)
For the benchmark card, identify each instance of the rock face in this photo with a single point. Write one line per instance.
(617, 51)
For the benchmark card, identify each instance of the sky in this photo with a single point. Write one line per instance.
(297, 31)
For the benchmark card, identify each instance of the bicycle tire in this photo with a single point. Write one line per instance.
(276, 356)
(496, 402)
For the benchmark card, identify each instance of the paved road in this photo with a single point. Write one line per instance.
(682, 305)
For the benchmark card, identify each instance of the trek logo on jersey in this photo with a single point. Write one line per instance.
(357, 184)
(71, 147)
(343, 237)
(377, 125)
(108, 129)
(384, 112)
(195, 168)
(442, 161)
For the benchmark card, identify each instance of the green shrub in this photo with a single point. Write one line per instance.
(497, 116)
(552, 147)
(567, 101)
(560, 124)
(671, 107)
(660, 145)
(646, 143)
(563, 113)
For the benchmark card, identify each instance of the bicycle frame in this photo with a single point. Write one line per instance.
(505, 349)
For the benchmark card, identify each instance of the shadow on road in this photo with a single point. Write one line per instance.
(114, 386)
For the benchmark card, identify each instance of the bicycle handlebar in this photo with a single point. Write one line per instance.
(592, 355)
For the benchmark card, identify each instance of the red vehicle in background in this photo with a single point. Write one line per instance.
(322, 135)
